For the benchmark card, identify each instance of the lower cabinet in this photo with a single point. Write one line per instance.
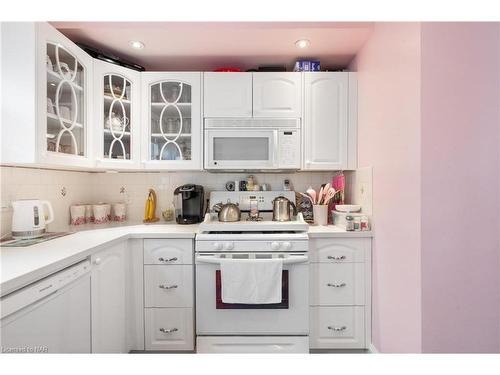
(168, 295)
(169, 329)
(340, 293)
(108, 300)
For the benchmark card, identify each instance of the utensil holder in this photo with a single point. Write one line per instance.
(320, 214)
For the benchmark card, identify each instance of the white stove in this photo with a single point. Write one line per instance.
(282, 327)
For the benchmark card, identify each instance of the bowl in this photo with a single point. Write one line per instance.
(348, 207)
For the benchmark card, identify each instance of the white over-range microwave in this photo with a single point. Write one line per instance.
(252, 144)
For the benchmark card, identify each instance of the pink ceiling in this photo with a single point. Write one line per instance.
(208, 45)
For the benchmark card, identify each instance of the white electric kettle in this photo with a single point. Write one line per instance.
(28, 219)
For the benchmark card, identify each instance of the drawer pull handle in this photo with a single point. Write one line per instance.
(341, 285)
(168, 286)
(166, 330)
(337, 329)
(167, 260)
(332, 257)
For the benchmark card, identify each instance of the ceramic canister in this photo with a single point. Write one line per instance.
(119, 212)
(89, 214)
(100, 213)
(77, 212)
(320, 214)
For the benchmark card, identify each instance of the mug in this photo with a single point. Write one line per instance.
(65, 112)
(89, 215)
(100, 213)
(50, 106)
(119, 212)
(77, 214)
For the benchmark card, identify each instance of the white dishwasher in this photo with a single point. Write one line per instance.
(49, 316)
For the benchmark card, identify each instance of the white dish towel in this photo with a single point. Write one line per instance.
(251, 281)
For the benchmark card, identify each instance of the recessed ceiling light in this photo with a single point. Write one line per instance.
(137, 44)
(302, 43)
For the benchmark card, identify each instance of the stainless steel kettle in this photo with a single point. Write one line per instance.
(228, 212)
(281, 209)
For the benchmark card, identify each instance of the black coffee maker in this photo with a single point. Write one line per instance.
(188, 204)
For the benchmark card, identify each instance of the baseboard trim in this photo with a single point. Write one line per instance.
(372, 349)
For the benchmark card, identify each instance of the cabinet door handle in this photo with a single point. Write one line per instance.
(166, 330)
(97, 261)
(168, 286)
(332, 257)
(167, 260)
(341, 285)
(337, 329)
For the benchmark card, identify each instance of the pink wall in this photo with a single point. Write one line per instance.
(460, 187)
(389, 140)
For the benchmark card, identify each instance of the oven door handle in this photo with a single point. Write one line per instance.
(291, 260)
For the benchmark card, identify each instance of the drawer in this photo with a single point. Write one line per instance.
(169, 329)
(337, 327)
(339, 250)
(337, 284)
(171, 251)
(168, 286)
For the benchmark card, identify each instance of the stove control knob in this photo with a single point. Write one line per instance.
(275, 245)
(229, 246)
(287, 245)
(217, 246)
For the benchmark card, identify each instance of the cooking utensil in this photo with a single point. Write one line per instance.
(320, 195)
(281, 209)
(329, 195)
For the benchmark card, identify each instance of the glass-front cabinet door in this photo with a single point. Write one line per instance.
(173, 115)
(117, 116)
(64, 108)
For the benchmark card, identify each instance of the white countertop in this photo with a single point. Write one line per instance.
(22, 265)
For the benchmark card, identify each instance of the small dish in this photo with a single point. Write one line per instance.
(348, 207)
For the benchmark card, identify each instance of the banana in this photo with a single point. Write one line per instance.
(150, 208)
(147, 208)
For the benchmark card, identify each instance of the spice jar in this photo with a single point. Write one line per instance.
(357, 223)
(349, 223)
(364, 223)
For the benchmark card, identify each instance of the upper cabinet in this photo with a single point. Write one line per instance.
(330, 121)
(277, 94)
(227, 94)
(46, 86)
(117, 116)
(171, 131)
(260, 94)
(64, 88)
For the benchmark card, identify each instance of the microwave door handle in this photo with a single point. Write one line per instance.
(275, 149)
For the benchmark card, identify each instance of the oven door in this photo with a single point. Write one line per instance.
(289, 317)
(241, 148)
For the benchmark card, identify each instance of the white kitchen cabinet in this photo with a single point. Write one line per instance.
(340, 293)
(46, 86)
(108, 300)
(277, 94)
(330, 121)
(168, 294)
(227, 94)
(117, 104)
(171, 120)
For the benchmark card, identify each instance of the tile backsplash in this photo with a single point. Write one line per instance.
(64, 188)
